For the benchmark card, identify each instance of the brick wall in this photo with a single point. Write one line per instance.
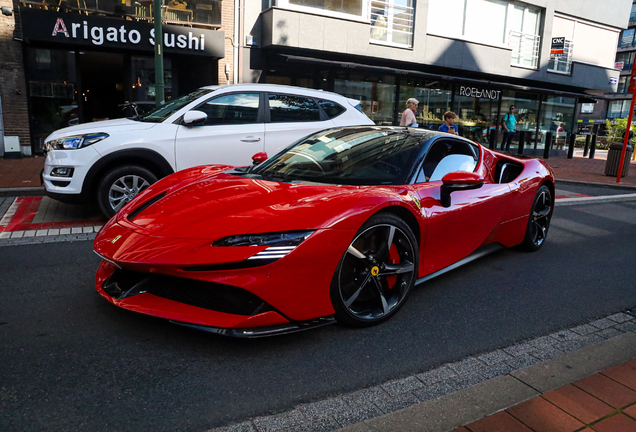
(227, 25)
(12, 83)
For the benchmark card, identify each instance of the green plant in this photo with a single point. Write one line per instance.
(616, 129)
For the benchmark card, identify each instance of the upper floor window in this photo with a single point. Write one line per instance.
(341, 8)
(484, 21)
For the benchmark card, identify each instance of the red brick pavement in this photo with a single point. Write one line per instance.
(602, 402)
(25, 172)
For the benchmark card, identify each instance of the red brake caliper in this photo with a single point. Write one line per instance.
(394, 258)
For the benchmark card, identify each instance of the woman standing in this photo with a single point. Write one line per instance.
(408, 116)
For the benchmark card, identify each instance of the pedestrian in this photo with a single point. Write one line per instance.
(449, 123)
(560, 136)
(508, 122)
(408, 116)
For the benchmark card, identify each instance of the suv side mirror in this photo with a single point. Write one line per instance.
(259, 158)
(456, 181)
(194, 117)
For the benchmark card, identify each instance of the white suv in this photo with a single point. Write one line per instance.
(112, 160)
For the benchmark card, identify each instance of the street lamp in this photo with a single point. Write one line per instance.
(159, 85)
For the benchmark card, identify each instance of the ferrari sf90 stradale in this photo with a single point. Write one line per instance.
(341, 225)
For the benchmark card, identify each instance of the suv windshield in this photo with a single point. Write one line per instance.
(347, 156)
(159, 115)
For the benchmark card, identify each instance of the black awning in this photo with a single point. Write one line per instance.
(583, 97)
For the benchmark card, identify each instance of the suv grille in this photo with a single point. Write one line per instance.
(207, 295)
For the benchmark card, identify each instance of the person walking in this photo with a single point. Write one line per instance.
(449, 123)
(408, 116)
(508, 122)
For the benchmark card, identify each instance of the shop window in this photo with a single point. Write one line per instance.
(526, 108)
(231, 109)
(376, 95)
(435, 99)
(287, 108)
(557, 114)
(476, 115)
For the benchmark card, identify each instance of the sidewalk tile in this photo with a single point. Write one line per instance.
(64, 231)
(29, 233)
(541, 416)
(617, 423)
(624, 374)
(461, 429)
(607, 390)
(17, 234)
(500, 422)
(631, 411)
(578, 403)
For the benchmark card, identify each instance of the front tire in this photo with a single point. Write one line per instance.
(376, 272)
(539, 220)
(120, 185)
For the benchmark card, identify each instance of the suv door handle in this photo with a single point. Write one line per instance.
(250, 139)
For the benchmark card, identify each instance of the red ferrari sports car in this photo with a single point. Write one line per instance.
(339, 226)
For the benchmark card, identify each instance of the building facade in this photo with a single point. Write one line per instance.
(65, 62)
(473, 57)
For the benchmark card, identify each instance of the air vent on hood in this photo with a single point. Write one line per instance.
(133, 214)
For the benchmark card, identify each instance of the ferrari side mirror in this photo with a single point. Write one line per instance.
(456, 181)
(258, 158)
(194, 118)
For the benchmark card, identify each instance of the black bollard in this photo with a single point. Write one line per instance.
(492, 139)
(548, 145)
(587, 145)
(593, 146)
(522, 137)
(571, 146)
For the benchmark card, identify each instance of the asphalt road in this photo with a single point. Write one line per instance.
(72, 361)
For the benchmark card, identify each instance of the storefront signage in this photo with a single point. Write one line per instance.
(97, 31)
(557, 48)
(619, 65)
(479, 93)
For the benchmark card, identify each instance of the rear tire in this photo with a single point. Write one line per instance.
(376, 272)
(539, 220)
(120, 185)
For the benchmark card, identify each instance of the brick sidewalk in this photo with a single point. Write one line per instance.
(604, 402)
(17, 173)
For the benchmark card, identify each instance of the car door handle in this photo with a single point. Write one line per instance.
(250, 139)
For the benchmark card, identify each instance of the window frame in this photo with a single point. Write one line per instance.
(363, 17)
(475, 148)
(260, 116)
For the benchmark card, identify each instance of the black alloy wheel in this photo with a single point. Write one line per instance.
(376, 272)
(539, 220)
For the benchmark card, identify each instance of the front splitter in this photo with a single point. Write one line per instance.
(258, 332)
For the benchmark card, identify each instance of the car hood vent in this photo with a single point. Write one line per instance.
(133, 214)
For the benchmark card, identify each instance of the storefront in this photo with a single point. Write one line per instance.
(81, 68)
(479, 104)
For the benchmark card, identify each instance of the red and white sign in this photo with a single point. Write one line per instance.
(619, 65)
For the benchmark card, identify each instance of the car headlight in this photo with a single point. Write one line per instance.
(74, 142)
(290, 238)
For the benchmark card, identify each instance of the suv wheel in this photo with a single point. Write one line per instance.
(120, 185)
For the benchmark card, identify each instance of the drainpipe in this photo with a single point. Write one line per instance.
(235, 42)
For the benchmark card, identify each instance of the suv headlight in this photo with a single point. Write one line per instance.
(74, 142)
(291, 238)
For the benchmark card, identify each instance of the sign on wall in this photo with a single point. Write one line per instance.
(478, 92)
(97, 31)
(557, 47)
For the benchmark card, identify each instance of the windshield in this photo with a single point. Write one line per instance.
(347, 156)
(159, 115)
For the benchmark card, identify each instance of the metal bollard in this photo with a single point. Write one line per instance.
(593, 146)
(587, 145)
(571, 146)
(548, 145)
(522, 138)
(492, 139)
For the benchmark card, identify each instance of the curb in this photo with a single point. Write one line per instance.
(595, 184)
(23, 191)
(474, 403)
